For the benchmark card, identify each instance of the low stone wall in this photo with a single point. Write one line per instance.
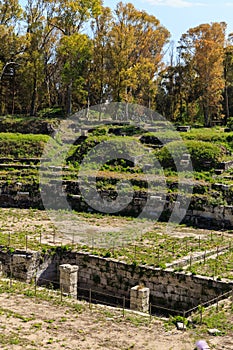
(25, 266)
(202, 215)
(175, 290)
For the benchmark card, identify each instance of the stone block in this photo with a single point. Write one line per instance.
(214, 331)
(69, 279)
(139, 298)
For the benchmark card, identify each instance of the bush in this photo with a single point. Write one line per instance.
(230, 123)
(204, 155)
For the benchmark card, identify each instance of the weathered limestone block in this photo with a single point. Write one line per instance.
(69, 279)
(139, 298)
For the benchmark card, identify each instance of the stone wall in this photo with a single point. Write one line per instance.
(25, 266)
(176, 290)
(202, 215)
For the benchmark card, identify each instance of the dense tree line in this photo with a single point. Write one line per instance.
(72, 54)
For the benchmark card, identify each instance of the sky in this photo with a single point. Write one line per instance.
(180, 15)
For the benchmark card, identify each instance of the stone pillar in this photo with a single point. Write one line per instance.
(69, 279)
(139, 298)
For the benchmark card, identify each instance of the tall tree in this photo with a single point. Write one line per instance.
(99, 76)
(202, 49)
(38, 48)
(69, 17)
(134, 52)
(228, 77)
(75, 53)
(10, 50)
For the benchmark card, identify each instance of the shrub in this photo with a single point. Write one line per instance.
(230, 123)
(203, 154)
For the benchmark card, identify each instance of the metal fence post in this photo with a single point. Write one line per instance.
(90, 298)
(124, 306)
(35, 283)
(61, 289)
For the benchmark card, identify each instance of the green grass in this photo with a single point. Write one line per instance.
(154, 247)
(22, 145)
(214, 317)
(221, 267)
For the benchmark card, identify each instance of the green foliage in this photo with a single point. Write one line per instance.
(107, 255)
(119, 145)
(175, 319)
(203, 154)
(22, 145)
(230, 123)
(215, 135)
(54, 112)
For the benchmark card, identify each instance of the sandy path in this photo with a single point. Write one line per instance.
(28, 323)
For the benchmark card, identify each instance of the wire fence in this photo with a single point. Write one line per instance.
(122, 302)
(163, 253)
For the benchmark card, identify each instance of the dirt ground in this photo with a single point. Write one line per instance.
(30, 323)
(68, 228)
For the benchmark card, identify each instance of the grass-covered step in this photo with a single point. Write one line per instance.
(22, 146)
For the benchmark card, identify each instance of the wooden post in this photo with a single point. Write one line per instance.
(183, 320)
(150, 312)
(199, 242)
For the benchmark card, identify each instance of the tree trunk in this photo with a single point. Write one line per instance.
(206, 116)
(34, 96)
(227, 113)
(69, 99)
